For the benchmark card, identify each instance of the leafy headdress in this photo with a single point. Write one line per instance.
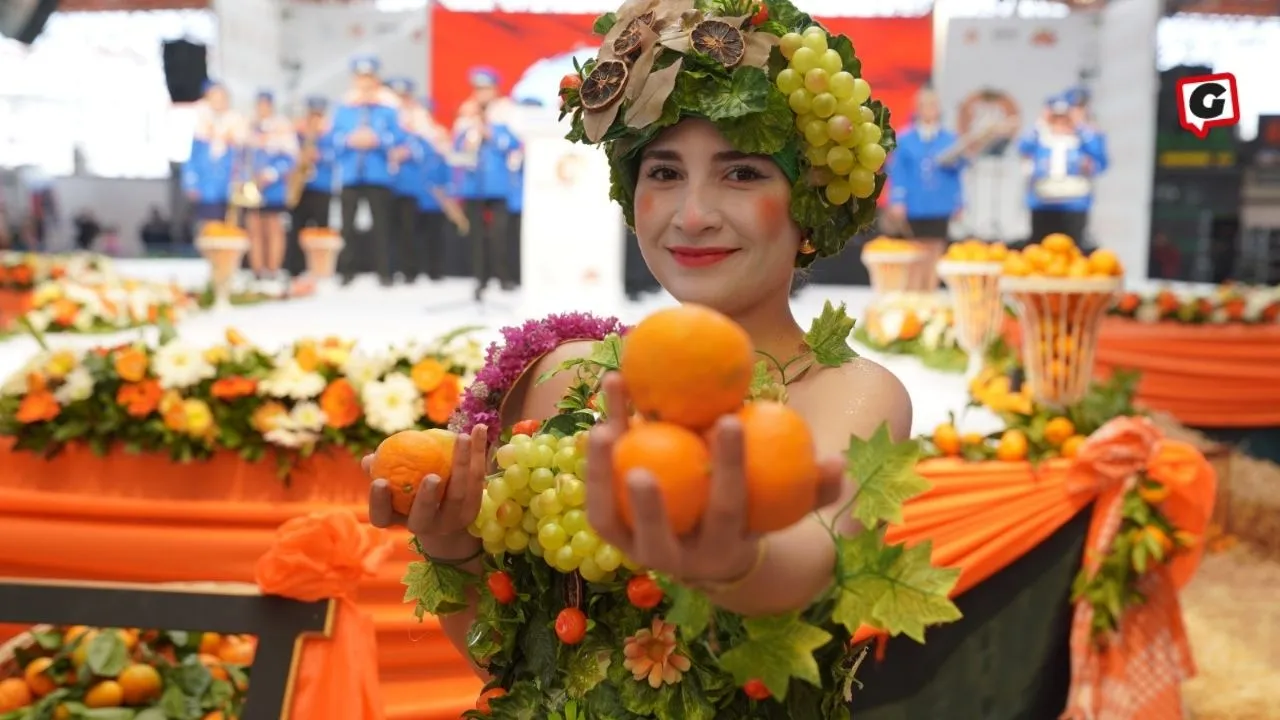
(771, 79)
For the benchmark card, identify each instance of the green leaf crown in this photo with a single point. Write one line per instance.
(669, 77)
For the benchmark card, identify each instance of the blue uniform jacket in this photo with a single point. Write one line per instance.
(435, 173)
(515, 190)
(408, 177)
(276, 165)
(365, 167)
(490, 178)
(325, 176)
(208, 177)
(917, 181)
(1092, 145)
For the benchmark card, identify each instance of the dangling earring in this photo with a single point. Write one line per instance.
(807, 248)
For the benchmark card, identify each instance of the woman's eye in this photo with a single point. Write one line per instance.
(661, 174)
(744, 173)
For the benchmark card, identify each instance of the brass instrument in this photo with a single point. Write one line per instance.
(977, 141)
(304, 172)
(245, 193)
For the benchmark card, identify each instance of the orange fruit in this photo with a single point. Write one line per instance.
(80, 655)
(1058, 243)
(677, 459)
(1012, 446)
(1015, 265)
(236, 652)
(129, 637)
(140, 683)
(214, 666)
(482, 703)
(1071, 447)
(62, 712)
(1161, 539)
(779, 494)
(947, 440)
(36, 675)
(973, 439)
(210, 642)
(1153, 494)
(405, 459)
(107, 693)
(687, 365)
(215, 715)
(1105, 262)
(14, 694)
(1058, 431)
(997, 252)
(74, 632)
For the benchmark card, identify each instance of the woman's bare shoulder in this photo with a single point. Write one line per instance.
(529, 399)
(863, 395)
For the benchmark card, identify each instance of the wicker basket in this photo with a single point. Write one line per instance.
(891, 272)
(977, 306)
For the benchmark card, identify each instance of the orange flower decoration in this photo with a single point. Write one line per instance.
(1176, 464)
(1114, 453)
(651, 654)
(233, 388)
(131, 364)
(340, 404)
(427, 375)
(40, 406)
(267, 416)
(307, 357)
(444, 400)
(322, 555)
(139, 399)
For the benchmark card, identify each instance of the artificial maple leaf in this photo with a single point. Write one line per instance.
(828, 336)
(777, 649)
(690, 610)
(891, 587)
(436, 589)
(758, 46)
(648, 105)
(886, 475)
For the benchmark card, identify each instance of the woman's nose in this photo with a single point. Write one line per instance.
(699, 212)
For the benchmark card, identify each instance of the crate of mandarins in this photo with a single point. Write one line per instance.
(69, 673)
(1061, 296)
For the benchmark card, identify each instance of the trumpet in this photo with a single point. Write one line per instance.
(304, 172)
(245, 193)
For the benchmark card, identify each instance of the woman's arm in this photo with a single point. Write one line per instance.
(798, 562)
(530, 401)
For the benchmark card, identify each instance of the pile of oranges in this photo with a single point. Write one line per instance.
(684, 369)
(976, 251)
(221, 230)
(67, 672)
(1057, 256)
(889, 245)
(1055, 438)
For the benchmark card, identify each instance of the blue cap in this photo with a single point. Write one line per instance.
(485, 77)
(318, 104)
(266, 95)
(401, 85)
(1076, 96)
(365, 65)
(531, 102)
(428, 103)
(1058, 105)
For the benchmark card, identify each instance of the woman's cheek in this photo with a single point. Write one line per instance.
(644, 203)
(772, 213)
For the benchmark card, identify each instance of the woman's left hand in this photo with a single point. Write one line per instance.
(721, 549)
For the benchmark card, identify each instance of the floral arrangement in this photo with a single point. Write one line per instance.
(771, 79)
(1032, 431)
(24, 271)
(1227, 304)
(919, 324)
(81, 672)
(190, 402)
(108, 304)
(569, 628)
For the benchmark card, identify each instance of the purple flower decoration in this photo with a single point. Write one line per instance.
(521, 347)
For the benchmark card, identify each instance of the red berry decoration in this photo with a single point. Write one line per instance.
(761, 17)
(756, 690)
(482, 704)
(571, 626)
(572, 81)
(526, 427)
(504, 591)
(644, 592)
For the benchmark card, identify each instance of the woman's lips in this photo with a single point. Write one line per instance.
(700, 257)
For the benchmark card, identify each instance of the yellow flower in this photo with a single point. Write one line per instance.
(199, 418)
(217, 355)
(335, 355)
(652, 654)
(61, 363)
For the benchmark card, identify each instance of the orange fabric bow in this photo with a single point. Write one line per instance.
(1139, 675)
(326, 555)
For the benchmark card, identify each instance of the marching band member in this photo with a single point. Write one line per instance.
(1061, 163)
(366, 132)
(274, 155)
(925, 192)
(434, 203)
(207, 174)
(408, 181)
(311, 185)
(482, 142)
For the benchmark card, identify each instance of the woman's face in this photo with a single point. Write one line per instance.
(714, 225)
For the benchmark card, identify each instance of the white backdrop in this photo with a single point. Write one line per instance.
(1028, 60)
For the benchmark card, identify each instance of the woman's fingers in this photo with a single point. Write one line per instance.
(477, 467)
(832, 485)
(615, 404)
(425, 510)
(366, 464)
(602, 505)
(381, 513)
(655, 546)
(725, 519)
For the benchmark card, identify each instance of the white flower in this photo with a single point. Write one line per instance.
(890, 326)
(1254, 304)
(39, 319)
(361, 368)
(76, 386)
(179, 366)
(290, 438)
(1219, 316)
(1147, 312)
(307, 416)
(468, 355)
(289, 380)
(391, 404)
(933, 334)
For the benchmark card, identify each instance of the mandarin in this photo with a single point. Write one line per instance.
(1012, 446)
(405, 459)
(37, 676)
(107, 693)
(140, 683)
(947, 439)
(687, 365)
(680, 464)
(779, 464)
(14, 694)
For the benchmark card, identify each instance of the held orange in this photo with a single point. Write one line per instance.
(405, 459)
(14, 694)
(780, 466)
(687, 365)
(679, 462)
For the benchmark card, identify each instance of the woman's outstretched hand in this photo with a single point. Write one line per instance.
(721, 549)
(437, 521)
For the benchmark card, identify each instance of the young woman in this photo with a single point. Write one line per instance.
(724, 218)
(274, 149)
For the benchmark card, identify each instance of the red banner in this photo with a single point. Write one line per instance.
(897, 53)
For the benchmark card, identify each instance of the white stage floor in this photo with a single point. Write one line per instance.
(378, 317)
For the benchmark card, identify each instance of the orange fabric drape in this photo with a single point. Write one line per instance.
(13, 303)
(1204, 375)
(326, 555)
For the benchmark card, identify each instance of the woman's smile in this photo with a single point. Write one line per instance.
(697, 257)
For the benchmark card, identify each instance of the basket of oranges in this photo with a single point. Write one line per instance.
(972, 271)
(64, 673)
(891, 264)
(223, 245)
(321, 247)
(1060, 296)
